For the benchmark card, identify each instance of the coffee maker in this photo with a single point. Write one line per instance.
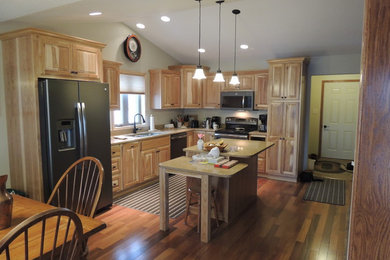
(216, 120)
(263, 123)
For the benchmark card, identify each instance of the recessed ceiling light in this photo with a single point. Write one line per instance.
(201, 50)
(140, 25)
(95, 13)
(165, 19)
(244, 46)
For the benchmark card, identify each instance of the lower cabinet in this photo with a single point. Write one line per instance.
(261, 163)
(190, 139)
(116, 168)
(130, 158)
(153, 152)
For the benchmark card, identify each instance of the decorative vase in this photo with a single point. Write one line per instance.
(6, 202)
(200, 144)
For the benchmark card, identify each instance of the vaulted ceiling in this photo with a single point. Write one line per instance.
(271, 28)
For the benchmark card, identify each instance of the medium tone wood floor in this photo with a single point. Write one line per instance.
(279, 226)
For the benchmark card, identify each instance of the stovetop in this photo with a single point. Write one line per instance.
(239, 126)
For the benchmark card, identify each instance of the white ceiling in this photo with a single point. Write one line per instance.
(271, 28)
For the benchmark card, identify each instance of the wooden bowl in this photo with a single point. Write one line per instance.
(210, 146)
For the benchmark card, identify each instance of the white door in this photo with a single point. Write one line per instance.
(339, 119)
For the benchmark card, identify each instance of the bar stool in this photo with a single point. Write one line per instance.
(194, 199)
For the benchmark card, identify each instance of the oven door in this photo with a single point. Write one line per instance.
(230, 136)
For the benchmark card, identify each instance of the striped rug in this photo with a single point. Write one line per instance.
(148, 199)
(329, 191)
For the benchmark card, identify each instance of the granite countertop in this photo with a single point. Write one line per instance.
(183, 163)
(258, 133)
(237, 148)
(140, 136)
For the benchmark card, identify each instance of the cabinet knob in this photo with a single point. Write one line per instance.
(172, 104)
(74, 72)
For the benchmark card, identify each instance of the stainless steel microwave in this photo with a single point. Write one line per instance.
(237, 100)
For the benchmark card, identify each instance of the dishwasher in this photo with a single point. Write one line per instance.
(178, 143)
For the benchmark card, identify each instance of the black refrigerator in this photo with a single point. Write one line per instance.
(75, 122)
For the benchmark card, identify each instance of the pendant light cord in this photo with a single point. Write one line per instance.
(235, 40)
(219, 39)
(200, 12)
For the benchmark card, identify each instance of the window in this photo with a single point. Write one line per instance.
(132, 99)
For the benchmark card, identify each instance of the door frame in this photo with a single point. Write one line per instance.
(322, 106)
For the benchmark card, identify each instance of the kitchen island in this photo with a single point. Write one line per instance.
(236, 187)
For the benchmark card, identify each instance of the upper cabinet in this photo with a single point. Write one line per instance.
(246, 78)
(165, 89)
(211, 92)
(191, 94)
(111, 72)
(285, 79)
(66, 58)
(261, 90)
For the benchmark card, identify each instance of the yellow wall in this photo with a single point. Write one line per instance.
(315, 107)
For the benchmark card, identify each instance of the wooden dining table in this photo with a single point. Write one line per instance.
(24, 208)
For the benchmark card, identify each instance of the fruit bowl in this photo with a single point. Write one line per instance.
(210, 146)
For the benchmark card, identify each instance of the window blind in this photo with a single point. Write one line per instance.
(132, 84)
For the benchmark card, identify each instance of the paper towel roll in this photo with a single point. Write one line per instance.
(151, 123)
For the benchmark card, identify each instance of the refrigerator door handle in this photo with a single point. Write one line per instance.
(85, 129)
(80, 123)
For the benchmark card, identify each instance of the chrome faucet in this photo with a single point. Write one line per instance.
(143, 121)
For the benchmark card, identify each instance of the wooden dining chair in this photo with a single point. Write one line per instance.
(194, 200)
(52, 234)
(79, 187)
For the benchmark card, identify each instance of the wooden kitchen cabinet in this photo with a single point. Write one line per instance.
(111, 72)
(28, 54)
(63, 57)
(165, 89)
(285, 79)
(282, 159)
(190, 138)
(261, 91)
(212, 93)
(153, 151)
(246, 78)
(116, 168)
(191, 89)
(130, 159)
(285, 118)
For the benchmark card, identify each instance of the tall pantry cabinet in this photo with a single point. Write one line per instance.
(286, 117)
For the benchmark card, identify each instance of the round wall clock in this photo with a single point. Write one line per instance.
(132, 48)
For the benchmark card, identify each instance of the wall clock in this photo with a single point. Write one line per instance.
(132, 48)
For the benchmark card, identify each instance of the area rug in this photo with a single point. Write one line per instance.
(148, 199)
(328, 191)
(328, 167)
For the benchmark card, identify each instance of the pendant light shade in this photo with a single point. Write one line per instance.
(219, 76)
(234, 80)
(199, 73)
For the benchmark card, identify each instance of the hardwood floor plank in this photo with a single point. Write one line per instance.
(280, 225)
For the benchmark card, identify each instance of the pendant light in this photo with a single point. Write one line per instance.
(199, 73)
(218, 76)
(234, 80)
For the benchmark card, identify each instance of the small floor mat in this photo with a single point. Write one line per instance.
(148, 199)
(328, 167)
(328, 191)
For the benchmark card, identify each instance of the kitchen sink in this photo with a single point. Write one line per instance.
(142, 134)
(146, 134)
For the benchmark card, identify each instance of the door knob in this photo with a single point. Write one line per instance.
(325, 126)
